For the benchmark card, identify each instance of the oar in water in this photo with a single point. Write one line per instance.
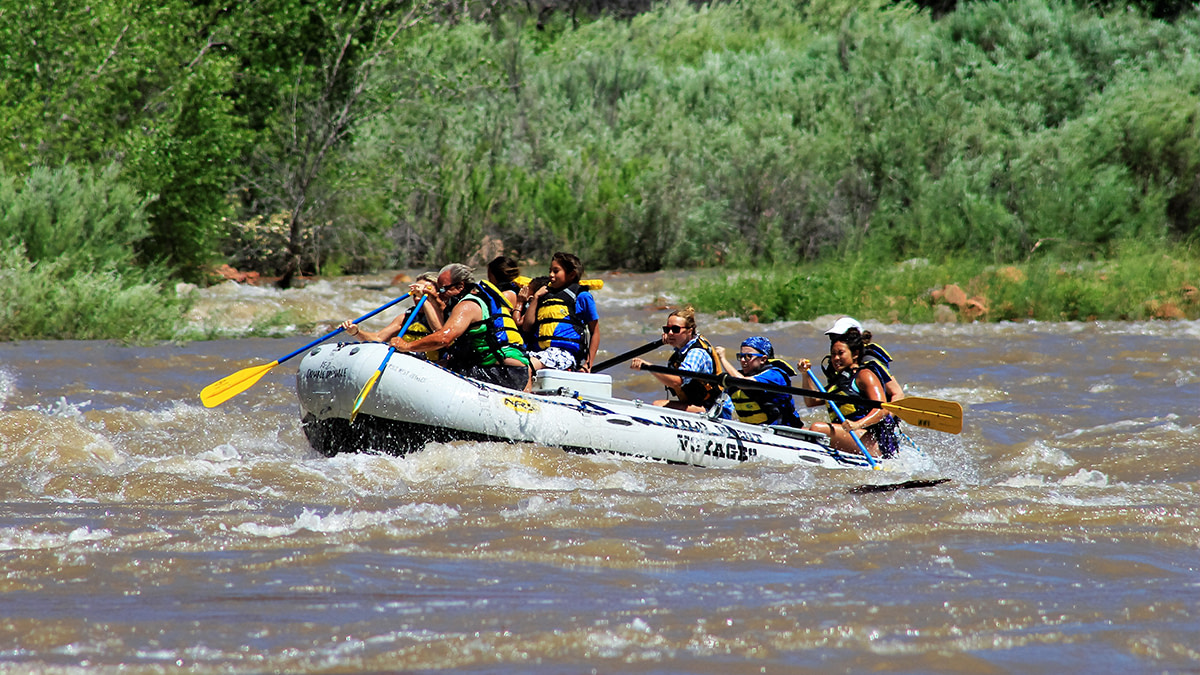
(927, 413)
(226, 388)
(362, 395)
(834, 408)
(627, 355)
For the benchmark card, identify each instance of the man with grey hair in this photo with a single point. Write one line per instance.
(478, 334)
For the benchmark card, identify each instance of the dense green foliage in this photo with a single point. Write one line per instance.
(335, 135)
(67, 267)
(758, 133)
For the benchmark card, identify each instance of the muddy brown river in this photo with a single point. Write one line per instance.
(141, 532)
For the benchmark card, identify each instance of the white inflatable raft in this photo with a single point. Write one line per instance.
(415, 402)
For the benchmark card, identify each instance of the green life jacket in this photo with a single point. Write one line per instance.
(491, 339)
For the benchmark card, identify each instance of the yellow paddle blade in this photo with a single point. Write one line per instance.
(928, 413)
(588, 284)
(224, 389)
(362, 395)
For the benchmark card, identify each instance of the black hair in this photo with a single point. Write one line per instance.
(504, 269)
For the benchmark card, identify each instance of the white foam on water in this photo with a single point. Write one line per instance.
(335, 522)
(980, 517)
(536, 506)
(222, 453)
(8, 385)
(964, 395)
(63, 408)
(1086, 478)
(1039, 457)
(517, 465)
(17, 539)
(1023, 481)
(1131, 425)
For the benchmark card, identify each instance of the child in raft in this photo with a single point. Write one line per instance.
(563, 316)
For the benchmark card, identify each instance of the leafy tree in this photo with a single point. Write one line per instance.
(133, 82)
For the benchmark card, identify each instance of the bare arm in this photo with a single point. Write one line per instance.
(529, 316)
(594, 330)
(806, 367)
(872, 388)
(730, 369)
(464, 314)
(673, 382)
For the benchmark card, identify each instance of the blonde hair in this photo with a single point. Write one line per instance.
(688, 314)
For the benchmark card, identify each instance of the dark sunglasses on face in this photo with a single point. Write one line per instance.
(442, 290)
(744, 356)
(673, 329)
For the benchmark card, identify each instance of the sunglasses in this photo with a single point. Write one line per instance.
(673, 329)
(442, 290)
(744, 356)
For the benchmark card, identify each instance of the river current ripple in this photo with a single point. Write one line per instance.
(141, 532)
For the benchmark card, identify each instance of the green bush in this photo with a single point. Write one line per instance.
(51, 299)
(67, 264)
(763, 133)
(85, 218)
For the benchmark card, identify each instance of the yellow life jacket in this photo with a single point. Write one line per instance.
(755, 406)
(417, 330)
(555, 308)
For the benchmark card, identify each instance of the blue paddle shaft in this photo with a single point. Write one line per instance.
(360, 319)
(857, 440)
(411, 318)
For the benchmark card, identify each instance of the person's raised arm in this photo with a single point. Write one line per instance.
(528, 318)
(730, 369)
(806, 368)
(461, 317)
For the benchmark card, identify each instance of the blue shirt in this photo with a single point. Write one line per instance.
(566, 334)
(698, 361)
(775, 376)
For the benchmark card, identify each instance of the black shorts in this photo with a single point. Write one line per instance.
(512, 377)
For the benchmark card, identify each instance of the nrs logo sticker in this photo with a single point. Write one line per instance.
(519, 404)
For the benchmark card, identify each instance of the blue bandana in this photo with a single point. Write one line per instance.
(760, 344)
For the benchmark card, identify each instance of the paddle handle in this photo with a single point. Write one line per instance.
(360, 319)
(627, 355)
(836, 409)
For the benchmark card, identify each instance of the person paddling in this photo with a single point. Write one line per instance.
(479, 333)
(847, 375)
(875, 356)
(758, 363)
(692, 352)
(430, 319)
